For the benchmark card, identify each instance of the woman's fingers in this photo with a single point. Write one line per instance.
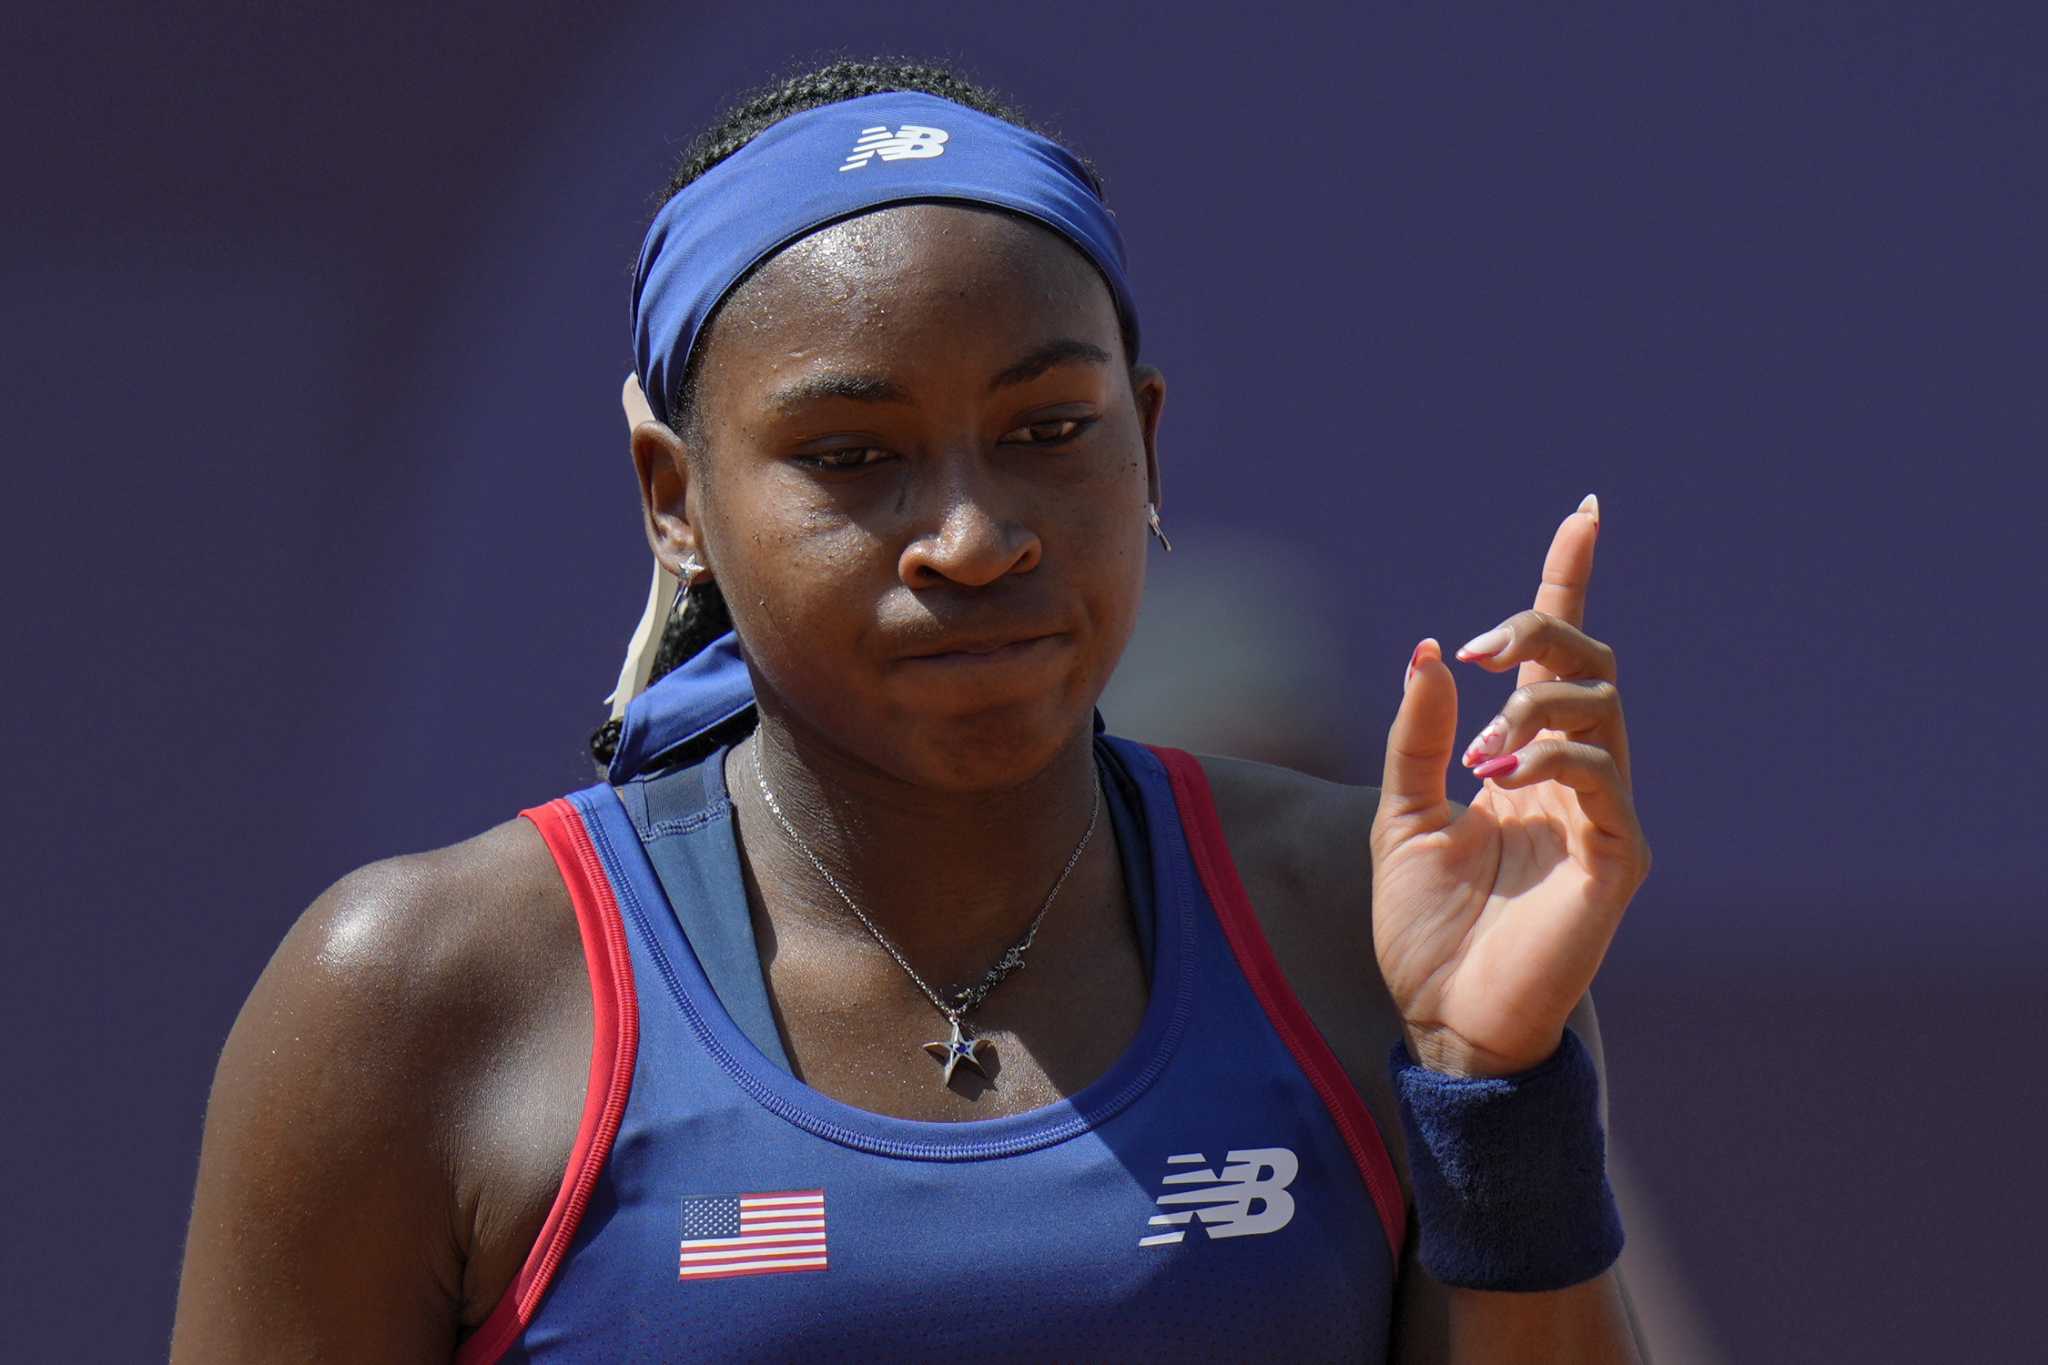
(1587, 710)
(1567, 573)
(1590, 772)
(1419, 745)
(1538, 637)
(1584, 703)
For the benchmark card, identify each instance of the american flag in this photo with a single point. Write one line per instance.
(753, 1234)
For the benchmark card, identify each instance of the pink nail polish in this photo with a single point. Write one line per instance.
(1497, 767)
(1487, 743)
(1414, 659)
(1487, 645)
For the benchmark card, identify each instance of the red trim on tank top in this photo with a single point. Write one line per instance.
(615, 1041)
(1213, 863)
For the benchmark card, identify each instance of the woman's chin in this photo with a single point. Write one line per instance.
(987, 749)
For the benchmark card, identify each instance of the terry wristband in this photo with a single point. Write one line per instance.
(1510, 1172)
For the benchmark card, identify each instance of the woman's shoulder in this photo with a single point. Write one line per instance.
(1306, 831)
(459, 921)
(411, 1062)
(448, 945)
(454, 981)
(1300, 847)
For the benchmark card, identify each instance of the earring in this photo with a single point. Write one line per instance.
(690, 566)
(1152, 516)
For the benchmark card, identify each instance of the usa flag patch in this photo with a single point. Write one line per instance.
(774, 1233)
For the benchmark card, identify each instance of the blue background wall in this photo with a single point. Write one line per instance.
(321, 542)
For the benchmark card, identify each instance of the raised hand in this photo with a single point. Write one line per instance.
(1490, 923)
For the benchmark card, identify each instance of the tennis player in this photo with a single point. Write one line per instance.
(877, 1003)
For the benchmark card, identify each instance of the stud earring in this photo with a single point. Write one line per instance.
(690, 567)
(1152, 516)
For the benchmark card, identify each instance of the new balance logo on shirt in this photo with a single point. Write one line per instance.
(1255, 1176)
(911, 140)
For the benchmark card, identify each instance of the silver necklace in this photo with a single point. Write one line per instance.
(961, 1047)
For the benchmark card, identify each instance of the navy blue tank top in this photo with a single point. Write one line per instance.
(1219, 1193)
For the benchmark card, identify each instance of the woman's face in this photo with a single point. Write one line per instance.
(920, 470)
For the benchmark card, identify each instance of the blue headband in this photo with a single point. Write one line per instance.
(829, 163)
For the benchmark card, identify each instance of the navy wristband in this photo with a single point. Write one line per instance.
(1510, 1172)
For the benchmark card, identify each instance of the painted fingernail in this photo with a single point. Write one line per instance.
(1591, 503)
(1414, 659)
(1487, 645)
(1497, 767)
(1487, 742)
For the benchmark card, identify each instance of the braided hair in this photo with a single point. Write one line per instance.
(704, 616)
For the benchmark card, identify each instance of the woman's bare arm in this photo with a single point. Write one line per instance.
(321, 1224)
(385, 1129)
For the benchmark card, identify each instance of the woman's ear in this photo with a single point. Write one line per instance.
(1148, 387)
(662, 462)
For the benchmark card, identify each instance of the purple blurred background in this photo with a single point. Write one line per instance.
(322, 541)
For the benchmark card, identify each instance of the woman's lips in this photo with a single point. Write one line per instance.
(992, 655)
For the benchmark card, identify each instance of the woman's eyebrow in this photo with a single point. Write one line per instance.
(861, 388)
(791, 398)
(1043, 358)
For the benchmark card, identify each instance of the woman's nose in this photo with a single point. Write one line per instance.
(970, 539)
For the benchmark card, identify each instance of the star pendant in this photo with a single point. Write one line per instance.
(958, 1050)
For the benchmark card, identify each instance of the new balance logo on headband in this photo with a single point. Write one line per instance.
(912, 140)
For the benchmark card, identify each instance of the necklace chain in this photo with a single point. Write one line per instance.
(1012, 958)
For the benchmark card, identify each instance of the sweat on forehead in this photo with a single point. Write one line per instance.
(906, 265)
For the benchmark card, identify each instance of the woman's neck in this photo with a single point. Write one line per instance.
(952, 878)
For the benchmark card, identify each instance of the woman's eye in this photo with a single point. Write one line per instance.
(853, 457)
(1050, 432)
